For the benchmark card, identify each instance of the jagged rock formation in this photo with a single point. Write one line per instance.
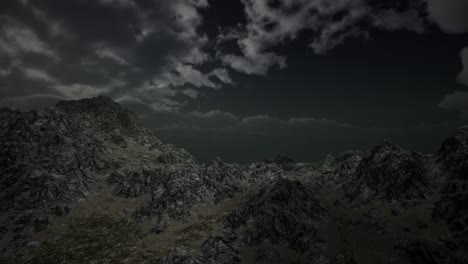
(453, 154)
(283, 211)
(327, 166)
(176, 189)
(93, 157)
(390, 173)
(260, 172)
(452, 207)
(284, 162)
(50, 158)
(108, 121)
(46, 158)
(340, 169)
(346, 164)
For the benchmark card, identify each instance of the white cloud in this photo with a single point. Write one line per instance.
(184, 74)
(77, 90)
(222, 75)
(192, 93)
(146, 109)
(5, 72)
(333, 22)
(107, 53)
(254, 64)
(17, 38)
(39, 75)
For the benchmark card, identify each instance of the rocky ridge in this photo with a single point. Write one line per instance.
(66, 166)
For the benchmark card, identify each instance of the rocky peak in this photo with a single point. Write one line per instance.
(391, 173)
(96, 105)
(453, 154)
(284, 162)
(282, 211)
(107, 120)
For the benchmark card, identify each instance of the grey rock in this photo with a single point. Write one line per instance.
(176, 189)
(389, 173)
(453, 154)
(282, 211)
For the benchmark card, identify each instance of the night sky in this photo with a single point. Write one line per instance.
(248, 79)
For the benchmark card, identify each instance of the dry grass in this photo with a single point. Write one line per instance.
(95, 240)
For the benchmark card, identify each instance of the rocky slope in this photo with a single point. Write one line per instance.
(85, 182)
(390, 173)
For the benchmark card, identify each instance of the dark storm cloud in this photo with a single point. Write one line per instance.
(463, 76)
(155, 58)
(82, 48)
(329, 23)
(450, 15)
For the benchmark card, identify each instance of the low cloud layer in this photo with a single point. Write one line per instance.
(245, 139)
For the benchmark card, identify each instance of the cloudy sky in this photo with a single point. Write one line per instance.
(247, 79)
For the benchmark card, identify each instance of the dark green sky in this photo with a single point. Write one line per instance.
(245, 79)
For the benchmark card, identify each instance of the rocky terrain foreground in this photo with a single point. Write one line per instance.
(85, 182)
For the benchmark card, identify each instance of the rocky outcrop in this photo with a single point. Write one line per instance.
(339, 170)
(452, 207)
(260, 172)
(284, 162)
(176, 189)
(388, 172)
(453, 154)
(45, 158)
(50, 158)
(108, 121)
(282, 211)
(346, 164)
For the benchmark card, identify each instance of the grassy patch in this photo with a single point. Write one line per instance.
(95, 240)
(196, 231)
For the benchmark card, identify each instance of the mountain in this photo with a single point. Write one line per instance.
(85, 182)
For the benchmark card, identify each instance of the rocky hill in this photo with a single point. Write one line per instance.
(391, 173)
(85, 182)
